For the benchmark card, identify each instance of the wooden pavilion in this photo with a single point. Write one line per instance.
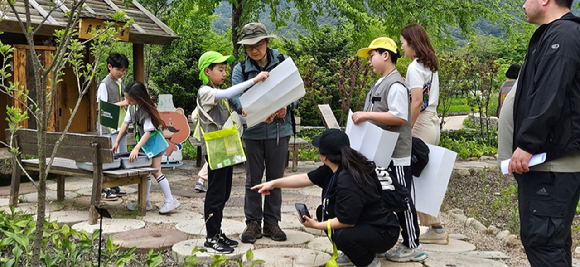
(147, 30)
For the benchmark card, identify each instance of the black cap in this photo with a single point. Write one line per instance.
(331, 142)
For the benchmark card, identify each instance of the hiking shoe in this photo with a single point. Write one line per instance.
(225, 240)
(405, 254)
(273, 231)
(432, 237)
(117, 191)
(343, 260)
(252, 232)
(133, 206)
(374, 263)
(214, 245)
(169, 206)
(200, 187)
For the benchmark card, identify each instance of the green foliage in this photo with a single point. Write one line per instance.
(469, 143)
(62, 246)
(188, 151)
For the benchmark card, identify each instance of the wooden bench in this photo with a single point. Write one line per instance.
(293, 147)
(76, 147)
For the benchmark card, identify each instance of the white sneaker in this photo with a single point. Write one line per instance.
(200, 187)
(133, 206)
(169, 206)
(343, 260)
(405, 254)
(432, 237)
(374, 263)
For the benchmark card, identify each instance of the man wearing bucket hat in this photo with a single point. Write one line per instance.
(213, 114)
(266, 143)
(387, 106)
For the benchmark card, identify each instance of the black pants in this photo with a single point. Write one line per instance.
(547, 204)
(362, 241)
(219, 187)
(262, 154)
(407, 219)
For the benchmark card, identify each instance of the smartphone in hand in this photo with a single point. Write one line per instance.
(302, 210)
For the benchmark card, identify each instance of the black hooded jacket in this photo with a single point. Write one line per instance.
(547, 102)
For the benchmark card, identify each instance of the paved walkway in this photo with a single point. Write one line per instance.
(184, 229)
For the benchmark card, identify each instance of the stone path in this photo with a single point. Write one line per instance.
(183, 230)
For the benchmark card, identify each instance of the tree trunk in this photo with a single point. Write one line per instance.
(237, 10)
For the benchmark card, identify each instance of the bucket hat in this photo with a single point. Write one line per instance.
(254, 32)
(381, 42)
(208, 58)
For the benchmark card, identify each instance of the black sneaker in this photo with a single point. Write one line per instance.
(214, 245)
(252, 232)
(226, 241)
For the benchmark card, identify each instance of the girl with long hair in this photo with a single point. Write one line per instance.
(422, 74)
(144, 115)
(351, 200)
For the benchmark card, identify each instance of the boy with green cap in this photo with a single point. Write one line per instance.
(214, 111)
(387, 106)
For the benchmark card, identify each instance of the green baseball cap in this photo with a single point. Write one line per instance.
(208, 58)
(253, 32)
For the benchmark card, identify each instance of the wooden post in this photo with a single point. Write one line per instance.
(142, 193)
(97, 181)
(16, 172)
(60, 187)
(139, 62)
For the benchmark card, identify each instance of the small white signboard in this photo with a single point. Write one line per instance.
(431, 186)
(283, 87)
(372, 141)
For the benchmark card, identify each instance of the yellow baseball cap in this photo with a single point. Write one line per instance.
(381, 42)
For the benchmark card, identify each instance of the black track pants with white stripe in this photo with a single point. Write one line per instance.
(408, 218)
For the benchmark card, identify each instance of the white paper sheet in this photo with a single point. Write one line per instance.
(431, 186)
(283, 87)
(534, 160)
(372, 141)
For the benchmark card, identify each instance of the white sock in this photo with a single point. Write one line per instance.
(164, 184)
(148, 188)
(201, 181)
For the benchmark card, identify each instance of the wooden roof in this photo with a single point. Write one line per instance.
(147, 28)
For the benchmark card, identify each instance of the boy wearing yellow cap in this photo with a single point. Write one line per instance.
(214, 112)
(387, 106)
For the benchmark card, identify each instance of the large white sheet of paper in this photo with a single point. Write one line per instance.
(431, 186)
(372, 141)
(534, 160)
(283, 87)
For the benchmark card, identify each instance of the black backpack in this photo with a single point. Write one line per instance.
(419, 156)
(280, 58)
(393, 196)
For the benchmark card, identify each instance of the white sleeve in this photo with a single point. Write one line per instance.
(234, 90)
(127, 118)
(102, 93)
(398, 101)
(148, 125)
(415, 75)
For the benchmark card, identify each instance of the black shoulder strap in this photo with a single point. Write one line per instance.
(243, 65)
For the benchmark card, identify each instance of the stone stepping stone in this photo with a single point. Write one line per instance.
(287, 208)
(68, 217)
(4, 201)
(183, 249)
(30, 208)
(314, 232)
(296, 257)
(290, 221)
(234, 212)
(111, 226)
(25, 188)
(445, 259)
(177, 216)
(321, 244)
(74, 184)
(388, 263)
(311, 191)
(293, 238)
(459, 237)
(50, 196)
(486, 254)
(197, 227)
(147, 239)
(238, 190)
(453, 246)
(89, 191)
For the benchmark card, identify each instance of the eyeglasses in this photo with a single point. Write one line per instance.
(123, 70)
(256, 47)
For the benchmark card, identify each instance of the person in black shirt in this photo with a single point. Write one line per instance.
(351, 200)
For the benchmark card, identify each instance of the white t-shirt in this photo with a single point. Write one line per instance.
(417, 76)
(207, 98)
(147, 126)
(102, 91)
